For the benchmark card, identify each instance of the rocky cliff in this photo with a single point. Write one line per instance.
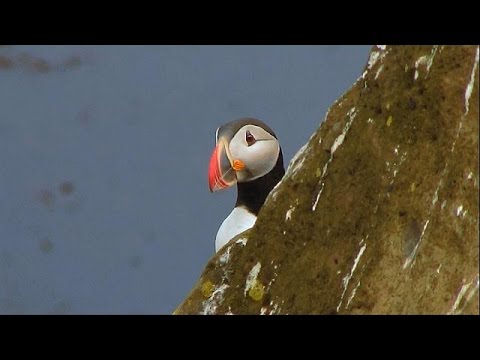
(378, 212)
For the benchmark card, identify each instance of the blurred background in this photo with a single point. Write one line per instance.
(104, 200)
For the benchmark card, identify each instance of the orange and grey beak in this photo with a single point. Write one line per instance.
(220, 172)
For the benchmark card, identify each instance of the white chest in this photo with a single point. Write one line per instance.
(238, 221)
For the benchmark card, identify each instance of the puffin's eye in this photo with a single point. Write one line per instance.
(249, 138)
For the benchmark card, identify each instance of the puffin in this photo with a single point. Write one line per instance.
(247, 153)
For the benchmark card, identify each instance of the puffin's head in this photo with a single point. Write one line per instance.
(246, 149)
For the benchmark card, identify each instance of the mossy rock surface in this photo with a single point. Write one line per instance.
(378, 212)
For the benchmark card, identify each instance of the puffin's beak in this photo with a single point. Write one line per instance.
(220, 172)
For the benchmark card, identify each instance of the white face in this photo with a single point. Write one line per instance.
(257, 149)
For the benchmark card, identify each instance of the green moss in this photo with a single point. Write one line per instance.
(207, 289)
(256, 291)
(389, 120)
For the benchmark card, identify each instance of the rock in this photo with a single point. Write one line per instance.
(378, 212)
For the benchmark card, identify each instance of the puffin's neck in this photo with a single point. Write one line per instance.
(252, 194)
